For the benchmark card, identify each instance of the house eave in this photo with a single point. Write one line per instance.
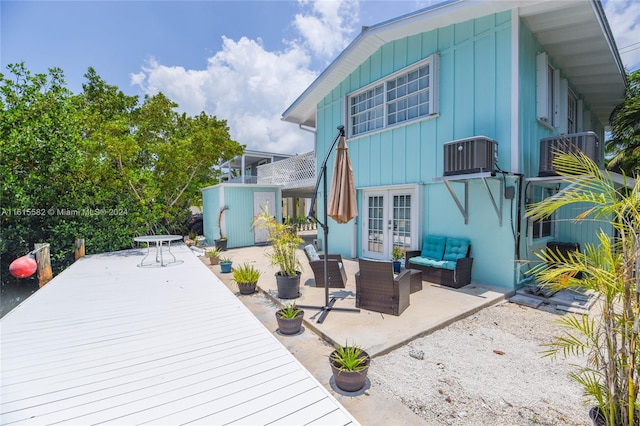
(553, 22)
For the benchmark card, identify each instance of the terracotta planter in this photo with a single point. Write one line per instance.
(288, 286)
(289, 325)
(349, 381)
(247, 288)
(214, 260)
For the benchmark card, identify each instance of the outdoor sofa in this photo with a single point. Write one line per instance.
(443, 260)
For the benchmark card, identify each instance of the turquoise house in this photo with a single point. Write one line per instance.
(451, 113)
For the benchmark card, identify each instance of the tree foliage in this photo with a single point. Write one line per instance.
(99, 165)
(624, 146)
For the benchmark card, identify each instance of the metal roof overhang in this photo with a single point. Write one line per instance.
(575, 33)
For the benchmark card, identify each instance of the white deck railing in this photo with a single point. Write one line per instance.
(298, 171)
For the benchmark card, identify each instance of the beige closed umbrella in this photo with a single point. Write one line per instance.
(342, 198)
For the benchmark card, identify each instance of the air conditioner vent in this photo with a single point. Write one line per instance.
(473, 155)
(586, 142)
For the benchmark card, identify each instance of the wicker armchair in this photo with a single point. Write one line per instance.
(377, 289)
(336, 276)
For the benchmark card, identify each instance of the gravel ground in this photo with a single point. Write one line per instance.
(487, 369)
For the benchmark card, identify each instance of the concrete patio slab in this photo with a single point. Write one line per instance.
(430, 309)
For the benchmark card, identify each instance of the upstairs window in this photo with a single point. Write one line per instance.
(404, 96)
(367, 111)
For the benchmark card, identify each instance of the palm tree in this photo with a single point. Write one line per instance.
(624, 146)
(611, 268)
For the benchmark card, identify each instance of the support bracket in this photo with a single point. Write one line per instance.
(464, 205)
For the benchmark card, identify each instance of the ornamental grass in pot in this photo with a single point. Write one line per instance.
(610, 378)
(225, 265)
(246, 276)
(214, 255)
(350, 365)
(284, 242)
(289, 319)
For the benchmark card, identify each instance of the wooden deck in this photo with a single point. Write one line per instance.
(108, 342)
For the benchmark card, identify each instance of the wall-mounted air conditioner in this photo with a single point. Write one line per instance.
(473, 155)
(586, 142)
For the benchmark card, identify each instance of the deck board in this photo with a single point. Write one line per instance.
(108, 342)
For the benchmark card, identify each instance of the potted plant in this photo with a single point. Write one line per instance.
(246, 276)
(225, 265)
(284, 243)
(191, 239)
(397, 254)
(349, 364)
(611, 376)
(289, 319)
(214, 255)
(221, 243)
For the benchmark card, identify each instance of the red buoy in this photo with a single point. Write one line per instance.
(23, 267)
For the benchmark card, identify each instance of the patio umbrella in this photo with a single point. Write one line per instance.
(342, 198)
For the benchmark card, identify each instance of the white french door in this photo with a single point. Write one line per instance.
(390, 219)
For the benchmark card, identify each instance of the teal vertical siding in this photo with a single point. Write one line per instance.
(474, 88)
(531, 131)
(474, 99)
(238, 218)
(210, 209)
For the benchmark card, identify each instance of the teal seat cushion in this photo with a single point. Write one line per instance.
(456, 248)
(433, 247)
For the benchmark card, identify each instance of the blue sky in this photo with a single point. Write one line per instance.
(243, 61)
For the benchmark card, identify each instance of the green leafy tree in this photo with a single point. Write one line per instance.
(40, 162)
(610, 268)
(99, 165)
(624, 146)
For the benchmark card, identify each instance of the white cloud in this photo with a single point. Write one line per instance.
(249, 86)
(326, 28)
(624, 20)
(245, 85)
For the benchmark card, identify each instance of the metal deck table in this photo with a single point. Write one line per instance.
(159, 240)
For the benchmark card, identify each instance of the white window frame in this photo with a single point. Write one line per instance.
(537, 227)
(378, 112)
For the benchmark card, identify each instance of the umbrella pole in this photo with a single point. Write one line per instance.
(328, 304)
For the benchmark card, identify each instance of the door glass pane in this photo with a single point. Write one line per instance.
(401, 221)
(376, 225)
